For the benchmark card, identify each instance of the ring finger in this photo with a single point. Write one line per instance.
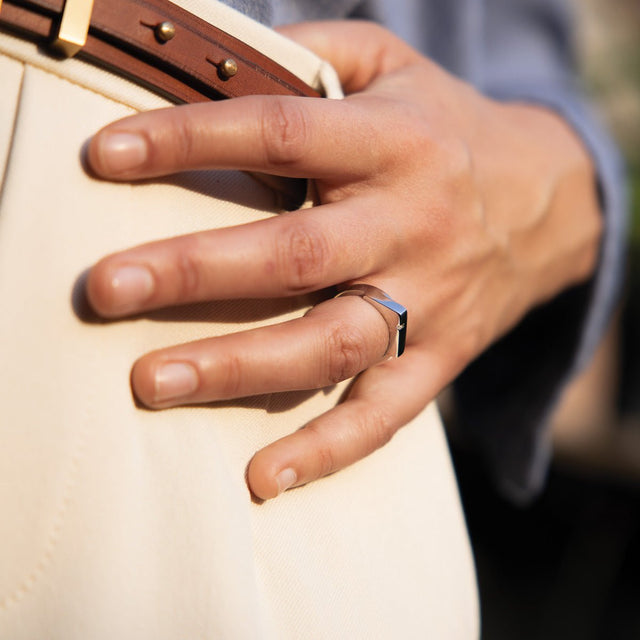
(334, 341)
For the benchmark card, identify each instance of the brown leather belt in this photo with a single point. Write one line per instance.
(156, 44)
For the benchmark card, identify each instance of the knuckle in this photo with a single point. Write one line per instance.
(182, 142)
(284, 132)
(457, 201)
(419, 136)
(325, 461)
(231, 368)
(456, 165)
(459, 159)
(376, 428)
(188, 268)
(459, 184)
(346, 352)
(416, 139)
(303, 257)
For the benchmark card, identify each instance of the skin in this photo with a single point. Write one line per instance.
(468, 211)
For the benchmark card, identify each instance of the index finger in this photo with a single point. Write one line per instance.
(287, 136)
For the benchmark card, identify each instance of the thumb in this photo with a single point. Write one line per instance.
(359, 51)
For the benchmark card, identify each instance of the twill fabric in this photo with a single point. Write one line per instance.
(118, 522)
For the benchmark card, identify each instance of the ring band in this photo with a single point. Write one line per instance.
(394, 314)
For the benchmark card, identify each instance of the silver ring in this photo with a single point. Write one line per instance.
(394, 314)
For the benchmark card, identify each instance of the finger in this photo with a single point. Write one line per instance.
(381, 401)
(296, 137)
(336, 340)
(283, 256)
(359, 51)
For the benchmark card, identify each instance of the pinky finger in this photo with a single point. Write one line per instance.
(381, 401)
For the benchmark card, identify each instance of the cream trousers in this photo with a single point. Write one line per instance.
(117, 522)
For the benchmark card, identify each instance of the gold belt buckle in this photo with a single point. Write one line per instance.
(74, 26)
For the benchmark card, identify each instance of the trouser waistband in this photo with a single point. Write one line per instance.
(156, 43)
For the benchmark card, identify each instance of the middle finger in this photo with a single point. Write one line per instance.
(287, 255)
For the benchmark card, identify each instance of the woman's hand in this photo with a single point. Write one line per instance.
(467, 211)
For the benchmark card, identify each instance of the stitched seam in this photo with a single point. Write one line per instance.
(3, 178)
(28, 584)
(30, 581)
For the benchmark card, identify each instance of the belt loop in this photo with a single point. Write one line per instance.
(74, 26)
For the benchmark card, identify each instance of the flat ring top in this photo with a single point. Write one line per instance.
(393, 312)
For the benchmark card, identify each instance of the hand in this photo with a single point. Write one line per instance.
(467, 211)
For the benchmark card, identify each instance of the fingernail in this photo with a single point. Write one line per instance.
(122, 152)
(286, 479)
(175, 380)
(131, 285)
